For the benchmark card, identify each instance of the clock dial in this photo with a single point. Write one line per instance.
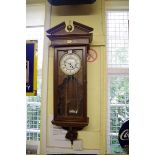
(70, 63)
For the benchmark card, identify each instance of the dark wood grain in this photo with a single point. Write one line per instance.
(70, 91)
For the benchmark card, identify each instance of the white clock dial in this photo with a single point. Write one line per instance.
(70, 63)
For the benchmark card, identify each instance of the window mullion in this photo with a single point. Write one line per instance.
(124, 71)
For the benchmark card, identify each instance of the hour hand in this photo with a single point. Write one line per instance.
(71, 65)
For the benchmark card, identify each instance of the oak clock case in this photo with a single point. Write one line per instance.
(70, 76)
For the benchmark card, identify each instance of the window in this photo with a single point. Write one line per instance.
(118, 81)
(34, 102)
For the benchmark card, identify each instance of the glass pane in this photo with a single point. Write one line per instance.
(119, 90)
(117, 38)
(119, 109)
(115, 147)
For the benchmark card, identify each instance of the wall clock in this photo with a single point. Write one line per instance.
(71, 44)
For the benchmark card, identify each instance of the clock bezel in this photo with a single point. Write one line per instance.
(64, 69)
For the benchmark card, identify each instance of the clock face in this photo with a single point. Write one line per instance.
(70, 63)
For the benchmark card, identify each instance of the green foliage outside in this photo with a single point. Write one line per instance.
(119, 109)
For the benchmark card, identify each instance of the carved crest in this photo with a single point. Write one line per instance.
(63, 34)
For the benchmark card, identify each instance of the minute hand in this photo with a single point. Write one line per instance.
(70, 64)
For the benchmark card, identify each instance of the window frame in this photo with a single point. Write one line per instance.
(113, 71)
(125, 74)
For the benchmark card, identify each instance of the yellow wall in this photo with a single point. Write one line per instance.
(94, 135)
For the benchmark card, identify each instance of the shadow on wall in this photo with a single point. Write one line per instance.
(73, 10)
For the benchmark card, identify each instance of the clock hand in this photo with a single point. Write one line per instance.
(69, 64)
